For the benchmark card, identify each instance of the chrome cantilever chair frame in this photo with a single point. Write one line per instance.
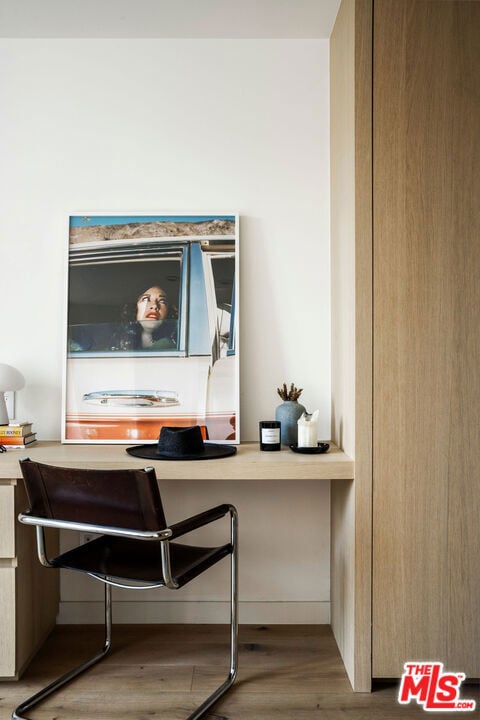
(163, 537)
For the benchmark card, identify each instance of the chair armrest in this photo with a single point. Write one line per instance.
(196, 521)
(28, 519)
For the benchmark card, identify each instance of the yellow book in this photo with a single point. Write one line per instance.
(15, 430)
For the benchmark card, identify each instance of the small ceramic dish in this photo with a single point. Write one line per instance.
(322, 447)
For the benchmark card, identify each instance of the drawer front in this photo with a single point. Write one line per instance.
(7, 521)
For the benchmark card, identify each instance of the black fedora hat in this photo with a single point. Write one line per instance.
(182, 443)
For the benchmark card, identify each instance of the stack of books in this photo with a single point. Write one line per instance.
(17, 435)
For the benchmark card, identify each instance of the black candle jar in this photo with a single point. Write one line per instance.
(269, 434)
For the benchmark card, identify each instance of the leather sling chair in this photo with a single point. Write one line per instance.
(134, 550)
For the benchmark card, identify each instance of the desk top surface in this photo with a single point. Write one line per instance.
(249, 463)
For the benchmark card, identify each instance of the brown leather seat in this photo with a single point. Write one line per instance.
(134, 548)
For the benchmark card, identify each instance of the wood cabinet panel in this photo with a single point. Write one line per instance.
(36, 587)
(426, 504)
(29, 593)
(351, 276)
(7, 621)
(7, 521)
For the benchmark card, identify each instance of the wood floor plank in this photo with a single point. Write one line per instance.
(147, 678)
(299, 678)
(164, 672)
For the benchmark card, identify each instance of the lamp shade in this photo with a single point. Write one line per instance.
(10, 379)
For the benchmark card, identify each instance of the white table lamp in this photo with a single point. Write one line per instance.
(10, 379)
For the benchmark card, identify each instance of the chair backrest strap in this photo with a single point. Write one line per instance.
(127, 498)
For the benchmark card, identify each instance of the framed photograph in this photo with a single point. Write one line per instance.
(151, 327)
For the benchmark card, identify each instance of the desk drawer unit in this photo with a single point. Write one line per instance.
(7, 580)
(28, 592)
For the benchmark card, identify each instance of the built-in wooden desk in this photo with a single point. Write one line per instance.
(29, 592)
(249, 462)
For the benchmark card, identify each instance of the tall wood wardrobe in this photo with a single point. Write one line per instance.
(405, 159)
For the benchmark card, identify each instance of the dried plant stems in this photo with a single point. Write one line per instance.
(289, 394)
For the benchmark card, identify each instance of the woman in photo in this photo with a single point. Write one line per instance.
(154, 327)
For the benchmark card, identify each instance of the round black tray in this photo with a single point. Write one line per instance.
(322, 447)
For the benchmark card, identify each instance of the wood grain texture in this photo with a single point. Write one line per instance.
(29, 593)
(351, 222)
(36, 588)
(426, 593)
(7, 622)
(7, 520)
(363, 342)
(342, 221)
(248, 463)
(286, 673)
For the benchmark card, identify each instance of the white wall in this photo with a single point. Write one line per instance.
(173, 125)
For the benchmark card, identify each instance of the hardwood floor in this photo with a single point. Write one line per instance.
(164, 671)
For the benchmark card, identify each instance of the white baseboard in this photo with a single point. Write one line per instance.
(264, 613)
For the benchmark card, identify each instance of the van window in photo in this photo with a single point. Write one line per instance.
(125, 305)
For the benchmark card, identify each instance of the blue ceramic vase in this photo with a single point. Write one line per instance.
(287, 413)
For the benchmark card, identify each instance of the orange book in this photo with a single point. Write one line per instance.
(18, 441)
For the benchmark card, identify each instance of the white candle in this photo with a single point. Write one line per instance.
(307, 430)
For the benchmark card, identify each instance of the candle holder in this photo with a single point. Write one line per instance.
(269, 435)
(307, 430)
